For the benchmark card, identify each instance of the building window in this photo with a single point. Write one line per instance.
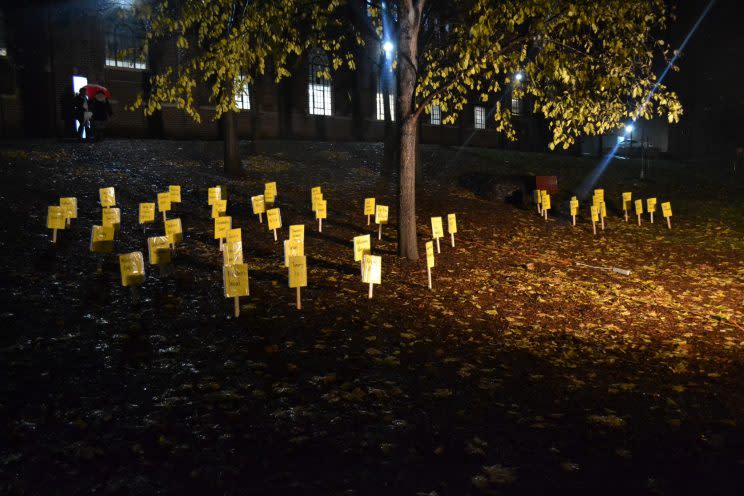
(516, 106)
(381, 102)
(319, 84)
(243, 97)
(436, 115)
(480, 117)
(122, 48)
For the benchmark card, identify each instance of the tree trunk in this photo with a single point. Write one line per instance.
(230, 139)
(409, 19)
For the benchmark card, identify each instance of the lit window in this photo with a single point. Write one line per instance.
(516, 106)
(319, 86)
(436, 115)
(243, 98)
(480, 117)
(122, 47)
(381, 102)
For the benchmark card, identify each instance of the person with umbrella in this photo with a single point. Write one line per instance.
(101, 109)
(80, 111)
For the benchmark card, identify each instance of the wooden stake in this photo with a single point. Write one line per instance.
(626, 215)
(452, 235)
(594, 227)
(260, 218)
(237, 306)
(602, 219)
(54, 235)
(545, 211)
(669, 222)
(639, 219)
(574, 219)
(368, 219)
(370, 290)
(438, 246)
(652, 217)
(221, 246)
(163, 217)
(299, 299)
(428, 273)
(320, 225)
(275, 238)
(379, 231)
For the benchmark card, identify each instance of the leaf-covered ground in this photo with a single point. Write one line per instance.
(520, 373)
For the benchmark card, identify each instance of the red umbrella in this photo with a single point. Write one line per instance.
(93, 89)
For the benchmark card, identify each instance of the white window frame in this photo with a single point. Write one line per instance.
(516, 105)
(243, 98)
(479, 117)
(436, 115)
(114, 37)
(318, 87)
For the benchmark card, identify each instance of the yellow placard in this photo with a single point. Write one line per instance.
(321, 209)
(537, 196)
(107, 197)
(599, 193)
(158, 250)
(297, 231)
(451, 223)
(372, 269)
(69, 207)
(164, 202)
(437, 231)
(270, 193)
(234, 235)
(146, 213)
(297, 272)
(603, 209)
(55, 217)
(574, 205)
(595, 213)
(132, 268)
(221, 226)
(174, 230)
(214, 194)
(315, 197)
(369, 206)
(651, 205)
(258, 204)
(293, 248)
(381, 214)
(274, 218)
(627, 197)
(232, 253)
(111, 217)
(102, 239)
(315, 190)
(175, 193)
(666, 209)
(546, 202)
(362, 245)
(219, 208)
(236, 280)
(639, 207)
(430, 254)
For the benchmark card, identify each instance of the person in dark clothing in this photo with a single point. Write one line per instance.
(79, 110)
(101, 109)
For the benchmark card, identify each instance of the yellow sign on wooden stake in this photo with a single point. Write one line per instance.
(298, 276)
(221, 226)
(174, 231)
(164, 203)
(362, 245)
(369, 208)
(651, 208)
(546, 205)
(270, 193)
(437, 231)
(259, 207)
(666, 211)
(315, 197)
(214, 194)
(381, 217)
(595, 217)
(158, 249)
(293, 248)
(55, 220)
(372, 271)
(274, 220)
(627, 197)
(235, 278)
(146, 213)
(234, 235)
(69, 207)
(132, 268)
(321, 212)
(107, 197)
(639, 209)
(111, 217)
(429, 259)
(574, 206)
(297, 231)
(175, 193)
(232, 253)
(452, 227)
(102, 239)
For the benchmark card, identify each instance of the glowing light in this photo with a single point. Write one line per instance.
(629, 129)
(519, 76)
(388, 47)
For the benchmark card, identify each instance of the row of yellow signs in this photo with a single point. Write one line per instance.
(599, 210)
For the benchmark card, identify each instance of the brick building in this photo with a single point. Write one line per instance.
(72, 43)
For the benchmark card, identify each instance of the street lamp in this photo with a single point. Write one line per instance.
(519, 76)
(388, 47)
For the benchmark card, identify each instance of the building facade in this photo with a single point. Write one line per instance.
(79, 43)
